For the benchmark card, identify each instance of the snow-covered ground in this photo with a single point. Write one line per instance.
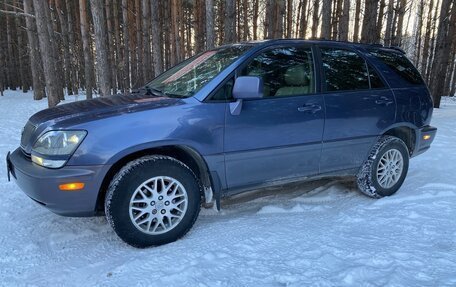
(321, 233)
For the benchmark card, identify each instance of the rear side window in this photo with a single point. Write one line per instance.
(344, 70)
(400, 65)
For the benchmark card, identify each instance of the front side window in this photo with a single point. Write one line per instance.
(344, 70)
(285, 71)
(187, 78)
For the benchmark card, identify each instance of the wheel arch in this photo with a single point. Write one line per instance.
(406, 132)
(188, 155)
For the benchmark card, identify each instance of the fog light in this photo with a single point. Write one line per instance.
(71, 186)
(426, 137)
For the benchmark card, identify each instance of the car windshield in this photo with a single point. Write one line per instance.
(188, 77)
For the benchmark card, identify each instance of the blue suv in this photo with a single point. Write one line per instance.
(226, 121)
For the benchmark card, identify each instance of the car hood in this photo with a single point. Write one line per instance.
(101, 107)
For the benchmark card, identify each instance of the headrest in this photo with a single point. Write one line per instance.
(297, 76)
(256, 72)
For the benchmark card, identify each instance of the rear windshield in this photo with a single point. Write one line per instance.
(400, 65)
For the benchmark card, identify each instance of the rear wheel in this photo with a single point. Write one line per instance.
(153, 200)
(383, 173)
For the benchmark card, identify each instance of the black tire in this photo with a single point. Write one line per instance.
(367, 179)
(124, 185)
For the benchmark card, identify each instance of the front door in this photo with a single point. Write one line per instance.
(279, 136)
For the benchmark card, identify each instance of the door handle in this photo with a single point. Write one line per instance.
(384, 101)
(312, 108)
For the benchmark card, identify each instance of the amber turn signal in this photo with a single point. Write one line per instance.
(71, 186)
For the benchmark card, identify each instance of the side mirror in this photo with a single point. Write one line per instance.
(246, 87)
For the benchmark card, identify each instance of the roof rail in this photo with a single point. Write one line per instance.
(397, 49)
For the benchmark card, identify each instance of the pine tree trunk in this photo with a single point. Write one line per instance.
(117, 59)
(432, 42)
(255, 19)
(357, 21)
(336, 19)
(21, 53)
(238, 21)
(175, 34)
(344, 21)
(88, 62)
(35, 57)
(400, 22)
(230, 22)
(450, 67)
(103, 66)
(53, 85)
(110, 32)
(379, 26)
(72, 46)
(181, 16)
(369, 31)
(279, 17)
(289, 18)
(188, 32)
(53, 32)
(315, 17)
(443, 47)
(427, 39)
(419, 33)
(78, 51)
(147, 63)
(156, 39)
(200, 25)
(210, 36)
(221, 22)
(139, 46)
(452, 92)
(268, 28)
(303, 23)
(389, 23)
(65, 44)
(11, 75)
(245, 20)
(126, 44)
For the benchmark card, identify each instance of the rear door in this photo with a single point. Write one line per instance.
(279, 136)
(359, 107)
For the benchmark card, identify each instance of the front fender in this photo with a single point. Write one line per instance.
(198, 126)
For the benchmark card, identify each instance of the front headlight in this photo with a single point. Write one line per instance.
(54, 148)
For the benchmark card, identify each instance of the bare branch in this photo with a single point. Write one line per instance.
(17, 14)
(14, 7)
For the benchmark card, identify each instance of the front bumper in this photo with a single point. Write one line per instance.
(42, 184)
(424, 138)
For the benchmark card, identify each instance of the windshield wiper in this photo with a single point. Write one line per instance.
(174, 96)
(148, 91)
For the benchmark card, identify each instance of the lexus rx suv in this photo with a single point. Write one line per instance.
(226, 121)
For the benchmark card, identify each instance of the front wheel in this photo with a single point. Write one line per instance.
(153, 200)
(384, 171)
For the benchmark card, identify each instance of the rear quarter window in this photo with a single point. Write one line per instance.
(399, 65)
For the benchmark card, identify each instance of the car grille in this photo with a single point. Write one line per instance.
(27, 133)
